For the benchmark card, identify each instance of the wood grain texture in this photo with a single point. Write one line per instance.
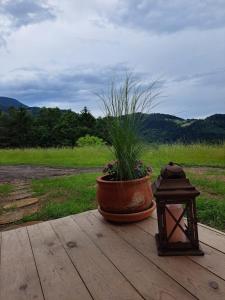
(59, 278)
(85, 257)
(212, 238)
(21, 203)
(213, 260)
(207, 235)
(103, 280)
(190, 275)
(151, 282)
(19, 277)
(0, 247)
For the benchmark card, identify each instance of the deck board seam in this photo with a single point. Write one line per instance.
(152, 262)
(203, 242)
(35, 263)
(205, 268)
(138, 292)
(188, 257)
(163, 271)
(61, 243)
(206, 227)
(223, 252)
(0, 248)
(212, 229)
(210, 246)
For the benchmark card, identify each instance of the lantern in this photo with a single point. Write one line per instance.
(176, 211)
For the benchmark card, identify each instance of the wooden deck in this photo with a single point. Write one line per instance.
(83, 257)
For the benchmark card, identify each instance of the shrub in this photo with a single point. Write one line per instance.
(90, 140)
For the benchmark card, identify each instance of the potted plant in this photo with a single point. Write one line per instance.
(124, 192)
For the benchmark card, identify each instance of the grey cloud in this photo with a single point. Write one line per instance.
(15, 14)
(75, 88)
(163, 16)
(24, 12)
(69, 86)
(213, 78)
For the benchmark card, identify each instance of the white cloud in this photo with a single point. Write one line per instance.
(64, 50)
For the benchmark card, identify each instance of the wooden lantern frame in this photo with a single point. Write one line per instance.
(176, 191)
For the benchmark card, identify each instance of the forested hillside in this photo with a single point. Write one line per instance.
(52, 127)
(6, 103)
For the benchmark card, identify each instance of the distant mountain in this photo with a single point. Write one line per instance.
(156, 128)
(6, 103)
(163, 128)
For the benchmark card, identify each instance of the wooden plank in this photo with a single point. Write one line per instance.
(150, 282)
(102, 278)
(213, 239)
(209, 236)
(10, 217)
(19, 277)
(211, 229)
(16, 215)
(59, 278)
(213, 260)
(0, 248)
(19, 196)
(196, 279)
(21, 203)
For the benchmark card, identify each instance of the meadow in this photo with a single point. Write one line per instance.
(62, 196)
(5, 189)
(155, 155)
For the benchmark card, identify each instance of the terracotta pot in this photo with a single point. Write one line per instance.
(125, 198)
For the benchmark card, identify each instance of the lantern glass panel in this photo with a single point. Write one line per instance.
(175, 223)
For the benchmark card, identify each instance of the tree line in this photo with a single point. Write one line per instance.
(48, 127)
(52, 127)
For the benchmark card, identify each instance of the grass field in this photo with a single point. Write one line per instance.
(204, 165)
(189, 155)
(5, 189)
(64, 196)
(74, 194)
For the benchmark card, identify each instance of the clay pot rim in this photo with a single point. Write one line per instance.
(100, 179)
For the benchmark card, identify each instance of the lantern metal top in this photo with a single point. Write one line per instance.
(172, 171)
(172, 183)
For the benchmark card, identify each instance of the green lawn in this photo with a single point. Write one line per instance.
(211, 203)
(64, 196)
(73, 194)
(190, 155)
(211, 212)
(5, 189)
(66, 157)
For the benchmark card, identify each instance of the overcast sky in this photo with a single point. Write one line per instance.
(60, 52)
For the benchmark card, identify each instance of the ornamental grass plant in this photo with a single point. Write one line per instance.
(125, 106)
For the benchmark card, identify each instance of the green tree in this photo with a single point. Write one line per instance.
(86, 118)
(66, 131)
(16, 128)
(45, 123)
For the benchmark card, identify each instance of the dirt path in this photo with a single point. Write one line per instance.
(14, 173)
(21, 202)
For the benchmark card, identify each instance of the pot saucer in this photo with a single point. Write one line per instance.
(128, 218)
